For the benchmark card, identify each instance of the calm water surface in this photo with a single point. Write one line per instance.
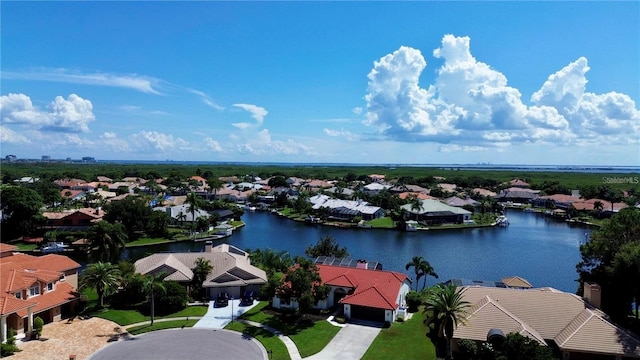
(540, 249)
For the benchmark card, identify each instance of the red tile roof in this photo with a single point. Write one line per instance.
(7, 248)
(371, 288)
(10, 304)
(53, 262)
(62, 294)
(19, 272)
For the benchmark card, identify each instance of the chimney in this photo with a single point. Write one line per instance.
(208, 246)
(592, 294)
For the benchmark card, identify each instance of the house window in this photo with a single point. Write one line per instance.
(34, 291)
(18, 295)
(50, 286)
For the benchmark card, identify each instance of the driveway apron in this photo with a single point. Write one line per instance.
(351, 342)
(218, 318)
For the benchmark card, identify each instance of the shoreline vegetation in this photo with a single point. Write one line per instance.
(551, 180)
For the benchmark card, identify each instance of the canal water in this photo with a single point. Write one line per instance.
(538, 248)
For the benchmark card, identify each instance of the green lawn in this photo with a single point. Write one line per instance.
(382, 223)
(406, 338)
(268, 340)
(313, 339)
(126, 317)
(24, 246)
(310, 337)
(161, 326)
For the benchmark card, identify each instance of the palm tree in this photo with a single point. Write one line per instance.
(194, 203)
(151, 284)
(418, 264)
(416, 205)
(214, 184)
(106, 240)
(598, 206)
(426, 269)
(101, 276)
(201, 269)
(448, 309)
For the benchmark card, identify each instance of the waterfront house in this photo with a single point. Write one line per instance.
(180, 214)
(433, 212)
(362, 292)
(346, 210)
(572, 325)
(560, 201)
(34, 286)
(75, 219)
(517, 195)
(232, 271)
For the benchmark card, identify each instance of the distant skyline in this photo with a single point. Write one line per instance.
(322, 82)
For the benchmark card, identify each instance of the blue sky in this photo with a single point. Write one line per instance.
(323, 82)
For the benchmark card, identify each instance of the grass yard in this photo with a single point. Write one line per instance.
(382, 223)
(126, 317)
(407, 340)
(161, 326)
(311, 340)
(310, 337)
(268, 340)
(24, 246)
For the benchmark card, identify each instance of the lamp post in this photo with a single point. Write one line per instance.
(232, 309)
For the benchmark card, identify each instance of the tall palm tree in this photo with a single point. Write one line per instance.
(106, 240)
(101, 276)
(416, 205)
(194, 203)
(427, 270)
(151, 285)
(214, 184)
(417, 263)
(447, 309)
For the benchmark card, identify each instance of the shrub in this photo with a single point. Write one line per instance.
(9, 347)
(172, 300)
(467, 349)
(413, 299)
(38, 324)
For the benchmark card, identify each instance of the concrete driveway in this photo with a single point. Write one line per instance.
(188, 343)
(218, 318)
(351, 342)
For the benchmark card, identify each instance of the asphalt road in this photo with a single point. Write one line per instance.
(188, 343)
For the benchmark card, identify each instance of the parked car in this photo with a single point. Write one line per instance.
(247, 298)
(222, 300)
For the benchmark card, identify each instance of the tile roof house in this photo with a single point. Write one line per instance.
(33, 286)
(346, 209)
(76, 219)
(552, 318)
(436, 212)
(232, 271)
(364, 294)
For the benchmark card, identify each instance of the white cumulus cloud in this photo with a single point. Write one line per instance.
(9, 136)
(470, 105)
(72, 114)
(153, 140)
(263, 144)
(212, 145)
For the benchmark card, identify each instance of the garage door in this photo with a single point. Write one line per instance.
(367, 313)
